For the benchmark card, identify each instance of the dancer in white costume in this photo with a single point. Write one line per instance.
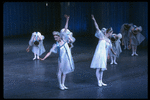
(65, 60)
(125, 28)
(36, 42)
(99, 61)
(135, 38)
(115, 40)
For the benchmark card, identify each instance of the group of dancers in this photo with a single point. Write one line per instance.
(108, 47)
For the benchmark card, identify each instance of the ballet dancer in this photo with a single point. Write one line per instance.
(65, 60)
(125, 28)
(115, 40)
(36, 42)
(135, 38)
(99, 60)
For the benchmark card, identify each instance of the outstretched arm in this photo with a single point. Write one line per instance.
(67, 20)
(96, 25)
(48, 54)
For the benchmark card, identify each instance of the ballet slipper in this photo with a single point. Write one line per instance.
(115, 62)
(135, 54)
(111, 62)
(61, 87)
(99, 83)
(132, 54)
(34, 58)
(103, 84)
(65, 87)
(37, 57)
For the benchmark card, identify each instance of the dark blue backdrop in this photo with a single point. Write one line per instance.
(26, 17)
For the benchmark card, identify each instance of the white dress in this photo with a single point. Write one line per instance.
(116, 48)
(65, 60)
(137, 38)
(39, 50)
(100, 57)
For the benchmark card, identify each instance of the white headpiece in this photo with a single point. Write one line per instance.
(36, 34)
(99, 34)
(119, 35)
(62, 30)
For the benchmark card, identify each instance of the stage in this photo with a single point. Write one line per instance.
(24, 78)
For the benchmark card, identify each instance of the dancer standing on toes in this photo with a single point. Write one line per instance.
(135, 38)
(36, 42)
(99, 60)
(125, 28)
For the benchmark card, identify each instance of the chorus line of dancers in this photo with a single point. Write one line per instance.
(108, 47)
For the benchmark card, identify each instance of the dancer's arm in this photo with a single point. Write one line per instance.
(30, 42)
(28, 48)
(66, 25)
(113, 51)
(48, 54)
(96, 25)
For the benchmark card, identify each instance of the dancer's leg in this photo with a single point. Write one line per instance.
(135, 48)
(63, 81)
(111, 60)
(132, 51)
(98, 76)
(101, 76)
(59, 79)
(115, 60)
(34, 56)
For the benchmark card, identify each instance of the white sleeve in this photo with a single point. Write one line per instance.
(54, 48)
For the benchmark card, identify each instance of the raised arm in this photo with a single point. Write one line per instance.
(66, 25)
(96, 25)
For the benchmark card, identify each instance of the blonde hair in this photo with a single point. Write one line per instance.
(56, 33)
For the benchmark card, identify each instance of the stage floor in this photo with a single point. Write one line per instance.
(24, 78)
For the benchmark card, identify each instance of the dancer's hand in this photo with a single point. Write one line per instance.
(129, 46)
(93, 17)
(41, 59)
(66, 16)
(28, 49)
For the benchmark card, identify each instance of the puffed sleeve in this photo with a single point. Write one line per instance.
(140, 28)
(54, 48)
(42, 37)
(99, 34)
(72, 38)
